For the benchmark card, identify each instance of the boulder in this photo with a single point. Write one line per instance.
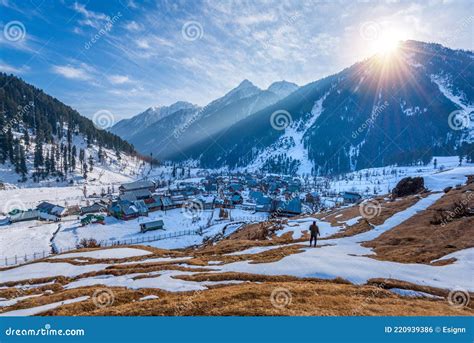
(447, 189)
(470, 179)
(409, 186)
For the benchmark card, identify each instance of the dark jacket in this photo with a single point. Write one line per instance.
(314, 230)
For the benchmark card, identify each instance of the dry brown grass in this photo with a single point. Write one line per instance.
(417, 240)
(392, 283)
(308, 298)
(388, 209)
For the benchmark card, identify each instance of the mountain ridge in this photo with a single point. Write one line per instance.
(402, 112)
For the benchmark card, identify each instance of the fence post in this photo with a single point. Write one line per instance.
(16, 260)
(6, 261)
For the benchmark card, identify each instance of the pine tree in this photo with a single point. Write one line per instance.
(23, 168)
(26, 138)
(73, 158)
(38, 155)
(16, 156)
(65, 164)
(3, 144)
(84, 168)
(9, 145)
(81, 158)
(52, 161)
(91, 163)
(47, 163)
(100, 154)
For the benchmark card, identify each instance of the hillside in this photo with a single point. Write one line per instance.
(43, 140)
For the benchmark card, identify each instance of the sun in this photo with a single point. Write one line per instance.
(387, 46)
(388, 42)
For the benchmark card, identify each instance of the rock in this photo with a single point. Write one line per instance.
(409, 186)
(470, 179)
(447, 189)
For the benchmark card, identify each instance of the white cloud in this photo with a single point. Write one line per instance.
(133, 26)
(119, 79)
(91, 18)
(7, 68)
(255, 19)
(143, 44)
(75, 73)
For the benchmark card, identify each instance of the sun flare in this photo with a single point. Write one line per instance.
(388, 42)
(387, 45)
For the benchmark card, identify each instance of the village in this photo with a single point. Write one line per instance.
(190, 205)
(273, 195)
(177, 207)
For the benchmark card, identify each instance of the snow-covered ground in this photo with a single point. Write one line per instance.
(34, 238)
(29, 238)
(346, 258)
(25, 238)
(447, 173)
(108, 253)
(343, 257)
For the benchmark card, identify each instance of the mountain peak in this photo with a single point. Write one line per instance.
(282, 88)
(245, 83)
(243, 90)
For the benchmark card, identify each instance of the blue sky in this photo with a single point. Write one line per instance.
(125, 56)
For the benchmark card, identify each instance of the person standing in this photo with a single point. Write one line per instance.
(314, 230)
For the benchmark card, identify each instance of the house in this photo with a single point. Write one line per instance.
(55, 210)
(236, 199)
(141, 207)
(23, 216)
(293, 188)
(286, 208)
(137, 185)
(263, 204)
(94, 208)
(351, 197)
(236, 187)
(92, 219)
(210, 187)
(249, 206)
(154, 225)
(207, 202)
(154, 203)
(139, 194)
(255, 195)
(124, 209)
(167, 203)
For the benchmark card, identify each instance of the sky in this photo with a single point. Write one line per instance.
(125, 56)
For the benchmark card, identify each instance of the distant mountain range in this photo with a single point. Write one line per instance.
(399, 108)
(168, 130)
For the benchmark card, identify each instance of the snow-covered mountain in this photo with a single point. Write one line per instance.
(127, 128)
(178, 130)
(400, 108)
(282, 88)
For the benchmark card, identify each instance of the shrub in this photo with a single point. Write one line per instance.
(87, 243)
